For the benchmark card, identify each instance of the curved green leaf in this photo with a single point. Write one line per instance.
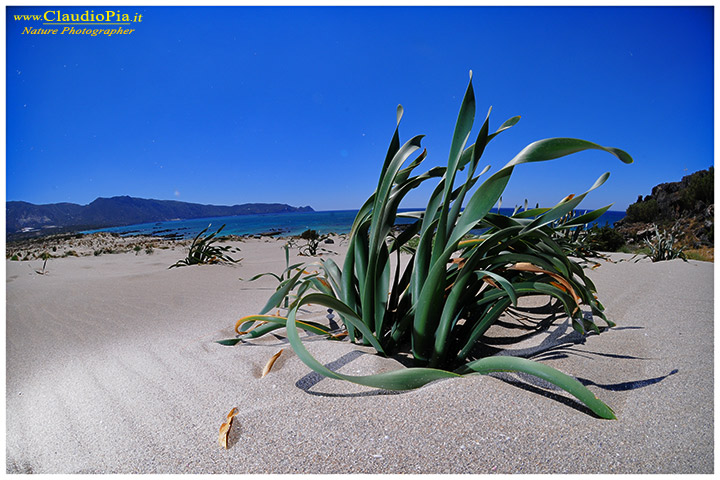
(556, 377)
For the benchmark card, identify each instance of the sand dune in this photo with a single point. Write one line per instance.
(112, 368)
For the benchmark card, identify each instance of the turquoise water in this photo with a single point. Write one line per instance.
(286, 224)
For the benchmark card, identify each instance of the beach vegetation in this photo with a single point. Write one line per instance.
(700, 188)
(312, 243)
(205, 250)
(283, 278)
(573, 238)
(643, 210)
(703, 254)
(44, 256)
(605, 239)
(663, 246)
(437, 304)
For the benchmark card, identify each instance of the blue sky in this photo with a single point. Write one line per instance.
(230, 105)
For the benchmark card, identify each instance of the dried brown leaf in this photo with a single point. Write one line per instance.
(270, 363)
(562, 283)
(225, 428)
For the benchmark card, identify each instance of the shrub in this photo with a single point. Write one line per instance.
(312, 246)
(203, 250)
(701, 187)
(605, 239)
(452, 290)
(643, 211)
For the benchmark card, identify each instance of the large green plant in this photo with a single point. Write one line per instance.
(440, 303)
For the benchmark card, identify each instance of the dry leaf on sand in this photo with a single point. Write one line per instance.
(270, 363)
(225, 428)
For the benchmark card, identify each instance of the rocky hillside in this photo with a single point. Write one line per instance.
(687, 205)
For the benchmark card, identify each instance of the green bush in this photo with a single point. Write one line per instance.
(700, 188)
(605, 239)
(643, 211)
(312, 246)
(442, 301)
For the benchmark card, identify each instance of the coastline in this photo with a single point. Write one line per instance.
(112, 367)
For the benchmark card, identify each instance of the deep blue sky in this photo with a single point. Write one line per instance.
(297, 105)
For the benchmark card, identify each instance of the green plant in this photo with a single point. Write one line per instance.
(605, 239)
(441, 302)
(203, 250)
(643, 211)
(701, 187)
(284, 277)
(703, 254)
(44, 257)
(572, 235)
(313, 239)
(662, 246)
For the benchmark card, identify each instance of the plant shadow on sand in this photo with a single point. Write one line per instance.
(517, 333)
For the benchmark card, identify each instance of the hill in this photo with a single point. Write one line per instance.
(687, 205)
(31, 220)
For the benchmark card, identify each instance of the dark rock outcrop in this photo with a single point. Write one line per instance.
(687, 205)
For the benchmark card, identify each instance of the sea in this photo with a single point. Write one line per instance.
(282, 224)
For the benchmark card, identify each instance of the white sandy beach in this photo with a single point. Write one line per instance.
(112, 368)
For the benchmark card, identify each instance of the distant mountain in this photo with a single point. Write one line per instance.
(120, 211)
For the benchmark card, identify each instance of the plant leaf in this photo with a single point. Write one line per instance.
(270, 363)
(540, 370)
(225, 428)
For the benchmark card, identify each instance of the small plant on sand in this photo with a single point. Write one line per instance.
(440, 302)
(662, 246)
(312, 245)
(204, 250)
(44, 257)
